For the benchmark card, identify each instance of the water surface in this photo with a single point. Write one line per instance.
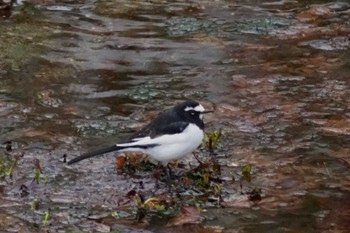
(75, 75)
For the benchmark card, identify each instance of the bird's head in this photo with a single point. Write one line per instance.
(192, 111)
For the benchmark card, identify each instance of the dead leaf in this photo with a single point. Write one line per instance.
(314, 13)
(337, 126)
(120, 162)
(186, 181)
(135, 158)
(196, 229)
(35, 133)
(189, 215)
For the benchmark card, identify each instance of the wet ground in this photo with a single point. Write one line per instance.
(76, 75)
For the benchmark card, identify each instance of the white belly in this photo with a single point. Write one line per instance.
(171, 147)
(176, 147)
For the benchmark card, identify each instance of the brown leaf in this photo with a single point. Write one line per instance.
(35, 133)
(186, 181)
(314, 13)
(120, 162)
(196, 229)
(337, 126)
(135, 158)
(189, 215)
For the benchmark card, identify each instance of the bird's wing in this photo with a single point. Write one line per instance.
(154, 128)
(156, 136)
(172, 128)
(152, 132)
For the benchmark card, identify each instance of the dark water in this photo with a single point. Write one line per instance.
(78, 74)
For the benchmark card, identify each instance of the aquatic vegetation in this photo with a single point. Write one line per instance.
(47, 216)
(211, 140)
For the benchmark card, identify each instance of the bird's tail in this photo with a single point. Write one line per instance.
(93, 153)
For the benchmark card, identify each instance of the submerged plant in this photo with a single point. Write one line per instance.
(35, 205)
(246, 173)
(38, 170)
(161, 206)
(14, 165)
(2, 166)
(211, 140)
(47, 217)
(254, 194)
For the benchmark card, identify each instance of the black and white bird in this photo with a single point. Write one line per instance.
(172, 135)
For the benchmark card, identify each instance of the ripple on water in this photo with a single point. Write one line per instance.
(59, 8)
(108, 62)
(335, 43)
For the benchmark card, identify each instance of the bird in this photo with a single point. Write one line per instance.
(172, 135)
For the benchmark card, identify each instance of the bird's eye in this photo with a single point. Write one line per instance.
(192, 113)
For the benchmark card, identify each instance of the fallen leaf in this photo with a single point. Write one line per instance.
(120, 162)
(337, 126)
(313, 13)
(189, 215)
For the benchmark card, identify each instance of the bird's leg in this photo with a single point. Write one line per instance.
(196, 157)
(168, 173)
(158, 172)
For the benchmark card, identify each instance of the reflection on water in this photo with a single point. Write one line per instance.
(81, 74)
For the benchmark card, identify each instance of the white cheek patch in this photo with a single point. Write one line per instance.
(188, 109)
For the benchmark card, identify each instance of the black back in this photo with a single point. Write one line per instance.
(171, 121)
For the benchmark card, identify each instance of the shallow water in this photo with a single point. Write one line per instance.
(77, 75)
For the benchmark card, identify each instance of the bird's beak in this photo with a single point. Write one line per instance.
(204, 112)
